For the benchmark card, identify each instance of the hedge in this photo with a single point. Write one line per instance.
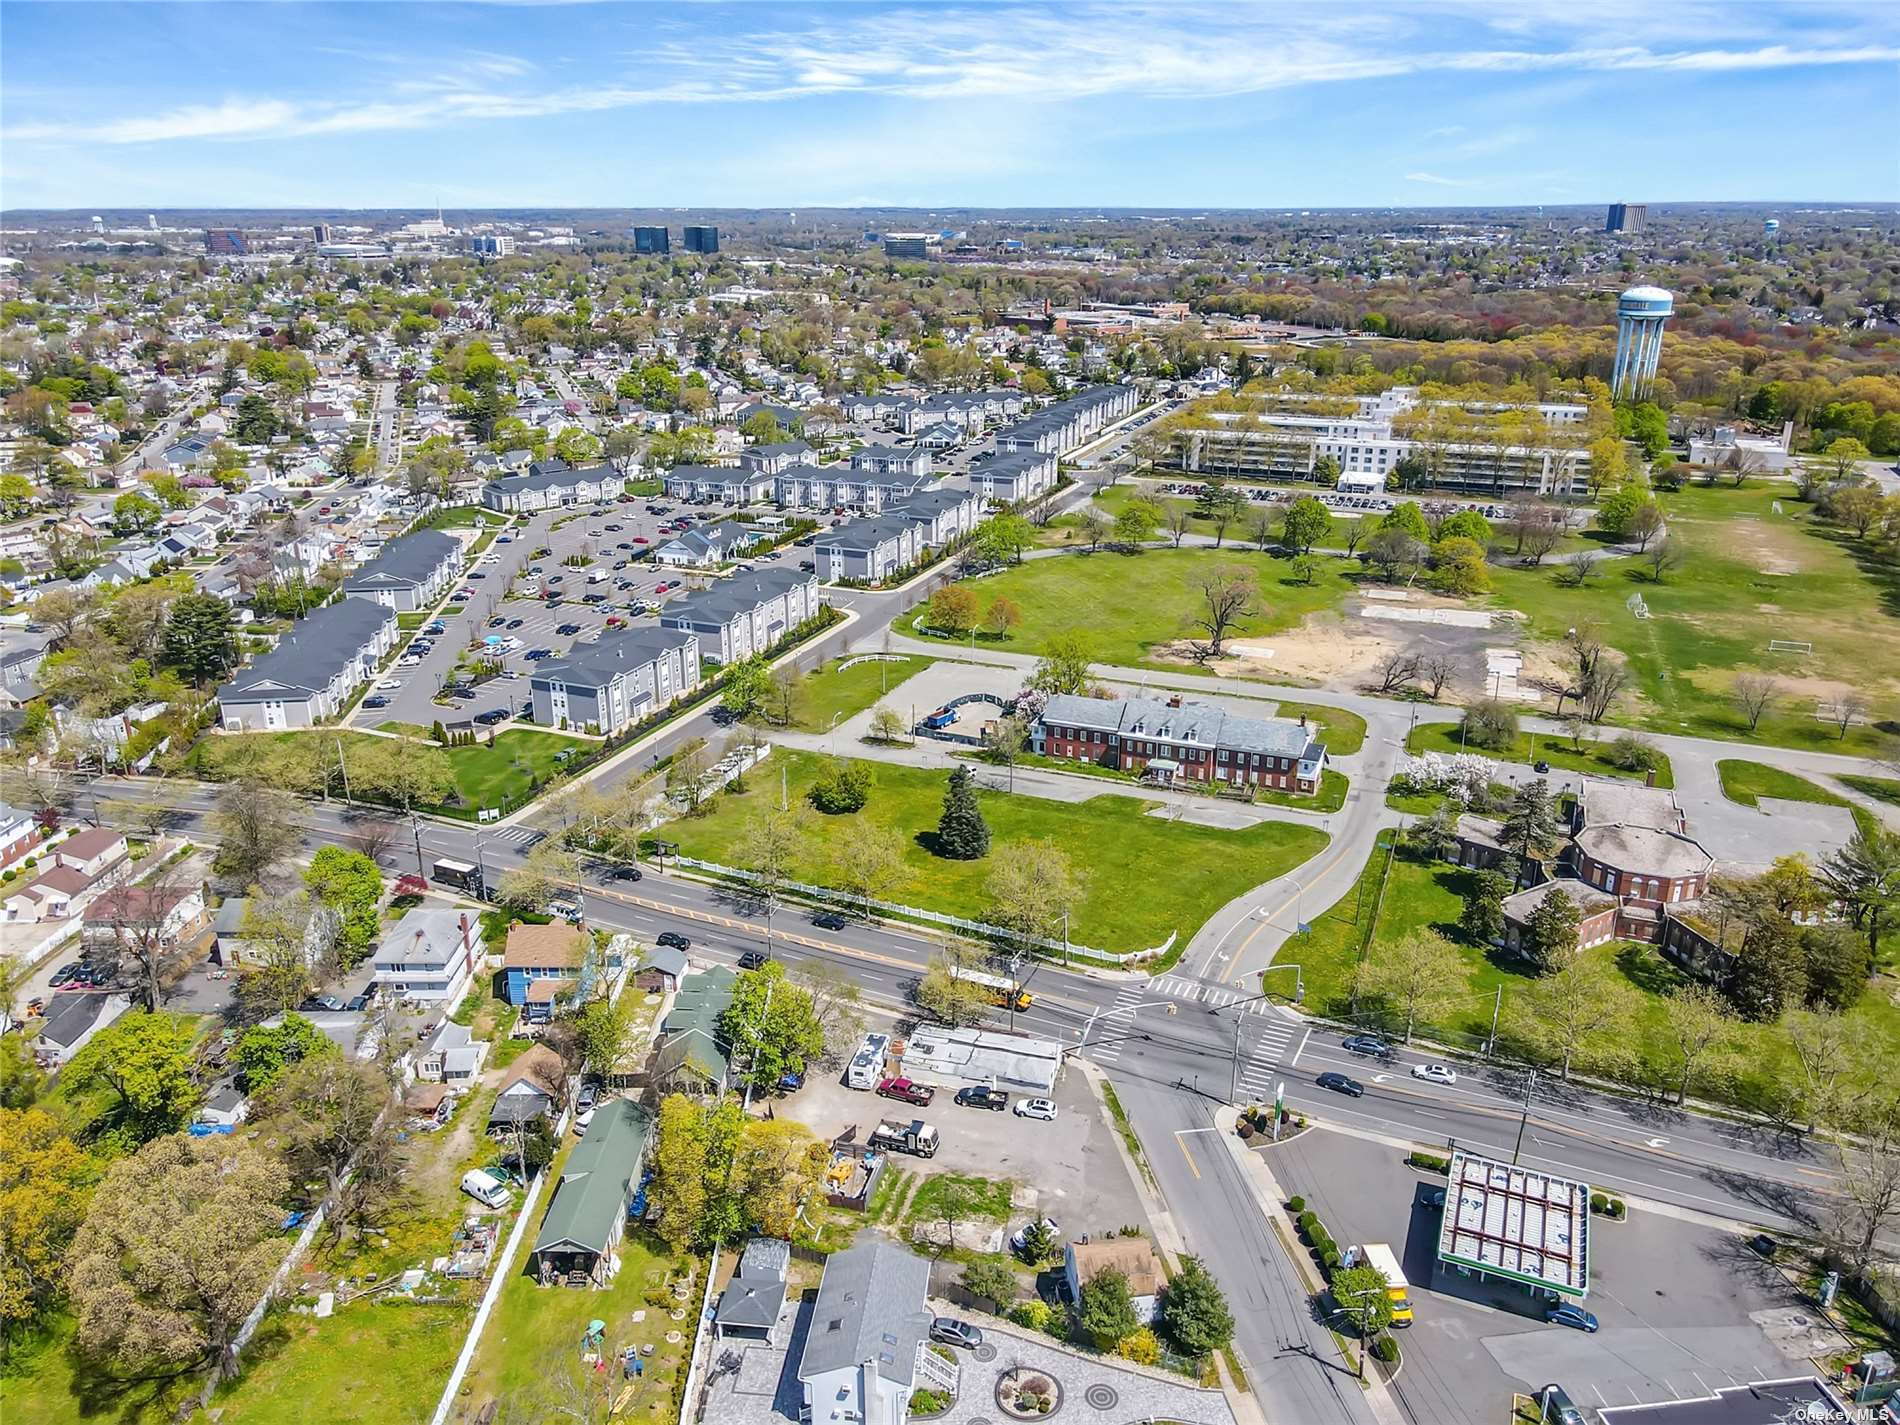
(1385, 1348)
(1428, 1162)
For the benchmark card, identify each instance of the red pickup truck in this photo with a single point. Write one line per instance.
(906, 1091)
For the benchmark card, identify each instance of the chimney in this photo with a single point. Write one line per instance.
(1302, 719)
(1175, 701)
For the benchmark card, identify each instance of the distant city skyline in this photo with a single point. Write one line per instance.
(1440, 102)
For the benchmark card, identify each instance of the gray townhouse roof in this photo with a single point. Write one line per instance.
(714, 540)
(901, 480)
(785, 415)
(595, 665)
(309, 657)
(730, 599)
(404, 563)
(870, 1309)
(1009, 463)
(865, 534)
(783, 447)
(1196, 724)
(931, 503)
(560, 477)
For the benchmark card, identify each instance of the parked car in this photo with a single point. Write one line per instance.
(1370, 1045)
(906, 1091)
(674, 939)
(492, 716)
(1435, 1073)
(587, 1097)
(1568, 1313)
(319, 1003)
(1043, 1108)
(516, 623)
(829, 920)
(952, 1332)
(983, 1096)
(1020, 1241)
(376, 700)
(753, 959)
(1341, 1083)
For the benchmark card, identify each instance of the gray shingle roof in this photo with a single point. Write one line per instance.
(541, 478)
(311, 654)
(594, 665)
(865, 534)
(730, 599)
(406, 562)
(870, 1309)
(1194, 724)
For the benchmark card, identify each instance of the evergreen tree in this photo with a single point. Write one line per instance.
(199, 641)
(1530, 828)
(1106, 1310)
(1194, 1310)
(1483, 918)
(962, 834)
(1550, 932)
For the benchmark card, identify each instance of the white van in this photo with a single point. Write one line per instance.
(488, 1191)
(598, 576)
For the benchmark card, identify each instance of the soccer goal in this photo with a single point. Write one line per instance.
(1790, 645)
(1637, 606)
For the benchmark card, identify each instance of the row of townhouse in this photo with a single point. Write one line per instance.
(971, 412)
(846, 487)
(746, 614)
(719, 484)
(410, 574)
(552, 484)
(877, 546)
(1178, 739)
(311, 673)
(1014, 476)
(1067, 424)
(616, 680)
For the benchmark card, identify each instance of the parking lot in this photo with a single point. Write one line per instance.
(1068, 1169)
(528, 629)
(1684, 1308)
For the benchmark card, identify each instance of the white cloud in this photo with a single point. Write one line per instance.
(1439, 181)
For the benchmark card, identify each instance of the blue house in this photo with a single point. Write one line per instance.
(541, 963)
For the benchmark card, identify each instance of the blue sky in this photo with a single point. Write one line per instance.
(787, 105)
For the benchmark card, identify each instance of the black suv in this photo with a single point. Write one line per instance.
(753, 959)
(674, 939)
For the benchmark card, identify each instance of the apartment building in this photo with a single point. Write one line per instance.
(411, 573)
(1179, 739)
(612, 683)
(746, 614)
(311, 673)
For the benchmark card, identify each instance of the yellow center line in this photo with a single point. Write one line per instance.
(1240, 976)
(1192, 1166)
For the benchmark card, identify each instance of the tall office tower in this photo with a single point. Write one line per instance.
(226, 242)
(698, 239)
(651, 240)
(1640, 314)
(1627, 218)
(321, 231)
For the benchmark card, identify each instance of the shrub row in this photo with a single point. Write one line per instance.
(1428, 1162)
(1613, 1208)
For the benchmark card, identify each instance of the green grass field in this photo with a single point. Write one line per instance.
(1123, 907)
(1881, 789)
(834, 692)
(1127, 606)
(1750, 575)
(1343, 731)
(1748, 782)
(1756, 1058)
(1531, 748)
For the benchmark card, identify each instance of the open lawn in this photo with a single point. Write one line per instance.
(1129, 606)
(1749, 576)
(1343, 732)
(1111, 844)
(834, 692)
(1753, 1069)
(1748, 782)
(1881, 789)
(1531, 748)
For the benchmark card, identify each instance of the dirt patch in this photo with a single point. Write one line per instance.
(1767, 547)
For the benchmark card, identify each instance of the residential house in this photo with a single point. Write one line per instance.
(49, 897)
(868, 1348)
(753, 1302)
(452, 1055)
(1178, 739)
(661, 971)
(1133, 1257)
(138, 917)
(554, 953)
(615, 681)
(745, 614)
(868, 549)
(430, 956)
(411, 573)
(313, 671)
(719, 484)
(93, 851)
(552, 484)
(707, 545)
(19, 834)
(588, 1213)
(536, 1087)
(431, 1104)
(71, 1021)
(692, 1057)
(224, 1108)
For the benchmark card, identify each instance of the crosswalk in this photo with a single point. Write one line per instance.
(522, 836)
(1264, 1057)
(1213, 996)
(1112, 1024)
(1271, 1040)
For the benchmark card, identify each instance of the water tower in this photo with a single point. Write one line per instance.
(1640, 314)
(1771, 229)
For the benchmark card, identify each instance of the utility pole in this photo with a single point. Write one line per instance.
(1233, 1081)
(1530, 1083)
(415, 825)
(1497, 1005)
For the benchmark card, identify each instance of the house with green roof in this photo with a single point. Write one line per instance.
(589, 1211)
(693, 1057)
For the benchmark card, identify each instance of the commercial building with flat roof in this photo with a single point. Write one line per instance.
(1516, 1224)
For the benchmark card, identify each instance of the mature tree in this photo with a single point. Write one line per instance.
(1754, 695)
(1137, 520)
(1835, 964)
(1850, 706)
(405, 774)
(604, 1031)
(842, 786)
(942, 993)
(993, 1280)
(545, 872)
(265, 1051)
(1105, 1309)
(1531, 826)
(953, 609)
(1699, 1025)
(1033, 889)
(1064, 667)
(1420, 973)
(135, 513)
(1482, 920)
(689, 774)
(1361, 1296)
(837, 1003)
(887, 724)
(962, 834)
(1229, 598)
(180, 1242)
(276, 932)
(335, 1121)
(348, 884)
(869, 860)
(1829, 1053)
(1577, 1003)
(1645, 524)
(1305, 523)
(1491, 724)
(139, 917)
(145, 1062)
(1095, 527)
(1194, 1310)
(1000, 617)
(45, 1181)
(1864, 1208)
(1662, 556)
(1437, 669)
(778, 1167)
(1576, 571)
(1549, 937)
(772, 1024)
(1179, 519)
(695, 1189)
(1865, 875)
(1844, 455)
(770, 843)
(199, 641)
(1395, 669)
(256, 829)
(747, 687)
(1222, 511)
(1458, 566)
